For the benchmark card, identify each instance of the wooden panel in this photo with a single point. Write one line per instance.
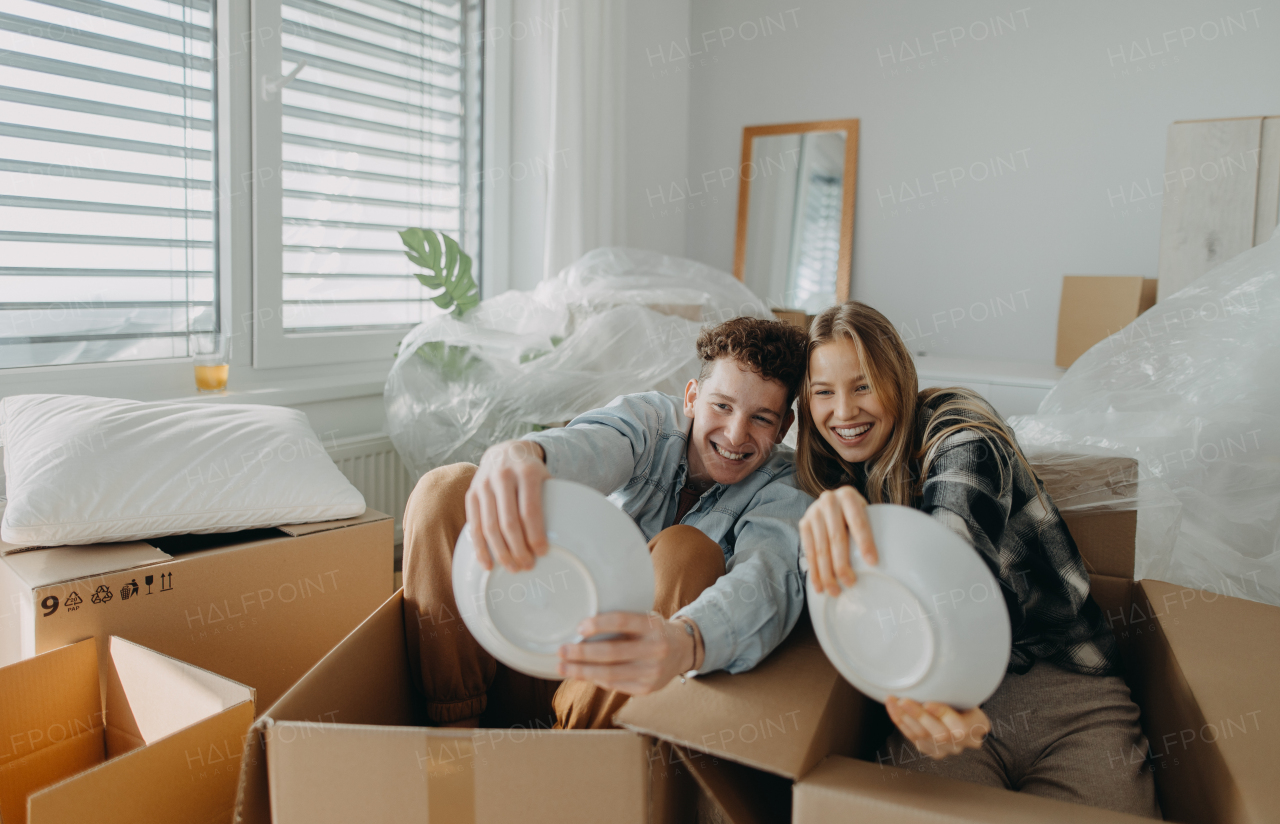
(844, 263)
(1211, 191)
(1268, 181)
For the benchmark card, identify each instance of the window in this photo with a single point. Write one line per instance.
(366, 122)
(113, 244)
(106, 163)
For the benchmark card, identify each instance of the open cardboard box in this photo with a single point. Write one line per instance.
(161, 742)
(1095, 307)
(260, 606)
(1202, 667)
(347, 743)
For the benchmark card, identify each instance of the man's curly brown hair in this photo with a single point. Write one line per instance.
(772, 349)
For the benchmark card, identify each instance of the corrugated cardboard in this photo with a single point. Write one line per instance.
(795, 317)
(259, 606)
(1094, 308)
(346, 743)
(1201, 666)
(844, 789)
(782, 717)
(163, 747)
(738, 793)
(1211, 666)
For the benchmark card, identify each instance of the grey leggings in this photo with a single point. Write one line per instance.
(1054, 733)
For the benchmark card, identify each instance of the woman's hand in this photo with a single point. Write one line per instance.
(824, 537)
(936, 729)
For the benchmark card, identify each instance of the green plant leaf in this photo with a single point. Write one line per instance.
(449, 267)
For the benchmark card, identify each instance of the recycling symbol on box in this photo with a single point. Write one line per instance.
(101, 595)
(74, 600)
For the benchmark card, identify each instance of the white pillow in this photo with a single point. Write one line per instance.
(82, 470)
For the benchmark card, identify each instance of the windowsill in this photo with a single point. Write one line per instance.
(173, 380)
(291, 393)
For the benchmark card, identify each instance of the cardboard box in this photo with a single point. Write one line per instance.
(845, 789)
(795, 317)
(160, 743)
(347, 743)
(1202, 666)
(1094, 308)
(259, 606)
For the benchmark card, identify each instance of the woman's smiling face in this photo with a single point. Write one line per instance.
(845, 409)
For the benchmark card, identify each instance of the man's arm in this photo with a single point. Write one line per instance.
(504, 506)
(605, 447)
(752, 608)
(601, 449)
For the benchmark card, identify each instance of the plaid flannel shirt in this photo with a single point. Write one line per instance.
(1023, 541)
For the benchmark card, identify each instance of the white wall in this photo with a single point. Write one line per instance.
(1063, 96)
(657, 124)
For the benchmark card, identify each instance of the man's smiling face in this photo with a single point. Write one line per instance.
(738, 416)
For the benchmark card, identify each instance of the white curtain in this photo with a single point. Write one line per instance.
(566, 112)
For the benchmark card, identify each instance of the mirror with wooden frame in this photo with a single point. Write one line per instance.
(794, 246)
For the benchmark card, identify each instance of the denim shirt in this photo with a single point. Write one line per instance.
(634, 450)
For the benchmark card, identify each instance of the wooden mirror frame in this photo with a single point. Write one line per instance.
(844, 261)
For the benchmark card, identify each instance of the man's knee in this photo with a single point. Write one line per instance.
(442, 488)
(687, 550)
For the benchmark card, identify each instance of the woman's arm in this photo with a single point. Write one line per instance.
(825, 529)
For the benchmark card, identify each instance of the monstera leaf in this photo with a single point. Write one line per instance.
(450, 269)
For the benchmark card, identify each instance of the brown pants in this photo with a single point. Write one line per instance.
(455, 675)
(1054, 733)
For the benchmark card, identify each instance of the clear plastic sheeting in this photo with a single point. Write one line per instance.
(1190, 392)
(615, 322)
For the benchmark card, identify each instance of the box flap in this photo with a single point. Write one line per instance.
(783, 717)
(369, 516)
(187, 777)
(20, 778)
(342, 772)
(1218, 694)
(50, 723)
(843, 789)
(150, 696)
(42, 567)
(1092, 309)
(1148, 297)
(740, 794)
(363, 680)
(49, 698)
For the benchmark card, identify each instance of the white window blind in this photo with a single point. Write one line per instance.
(106, 163)
(373, 141)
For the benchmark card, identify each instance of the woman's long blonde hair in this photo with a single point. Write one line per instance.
(892, 476)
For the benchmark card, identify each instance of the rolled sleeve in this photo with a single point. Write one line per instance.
(756, 603)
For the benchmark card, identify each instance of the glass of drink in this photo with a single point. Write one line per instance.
(212, 353)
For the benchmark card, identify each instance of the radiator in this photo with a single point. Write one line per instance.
(371, 464)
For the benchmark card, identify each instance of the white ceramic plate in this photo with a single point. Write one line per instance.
(598, 562)
(927, 622)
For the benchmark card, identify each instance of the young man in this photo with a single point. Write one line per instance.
(704, 479)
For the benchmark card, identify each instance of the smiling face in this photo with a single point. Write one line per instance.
(738, 416)
(845, 409)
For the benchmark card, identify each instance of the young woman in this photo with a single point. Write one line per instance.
(1065, 726)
